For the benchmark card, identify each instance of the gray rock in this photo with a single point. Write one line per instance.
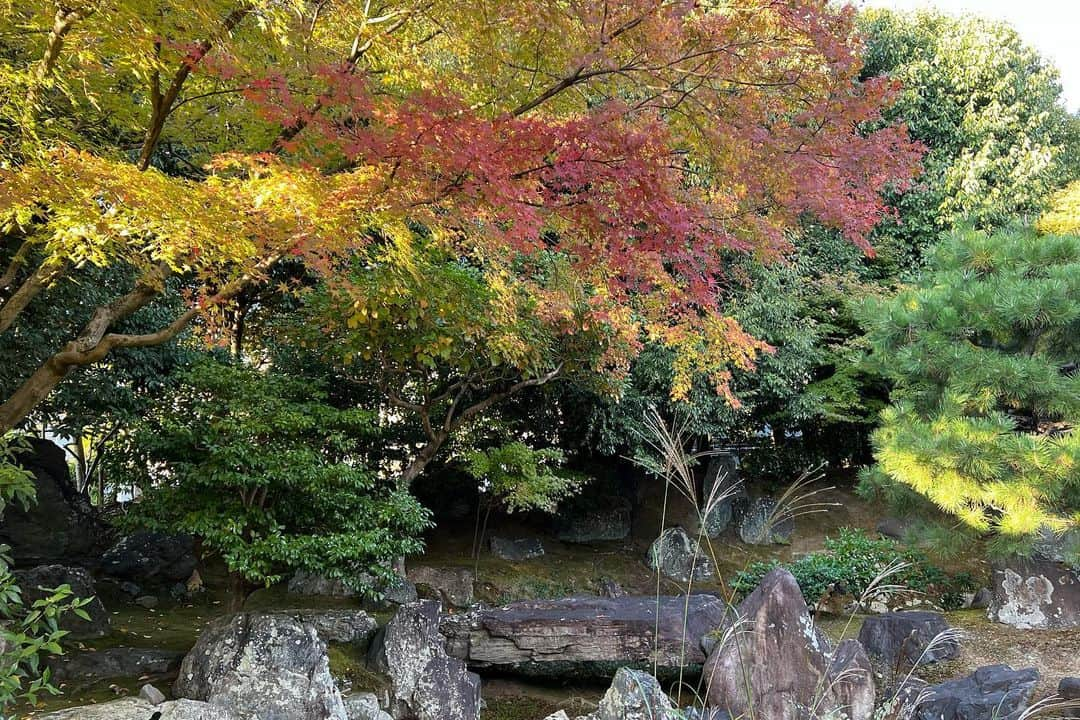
(996, 692)
(607, 518)
(447, 691)
(779, 664)
(305, 583)
(1059, 547)
(148, 602)
(60, 526)
(139, 709)
(634, 695)
(1069, 688)
(724, 493)
(424, 681)
(558, 715)
(365, 706)
(151, 558)
(347, 626)
(114, 663)
(765, 524)
(151, 694)
(893, 528)
(896, 641)
(38, 582)
(516, 550)
(267, 666)
(584, 635)
(452, 585)
(1036, 593)
(400, 592)
(982, 599)
(679, 556)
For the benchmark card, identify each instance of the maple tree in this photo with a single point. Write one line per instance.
(650, 139)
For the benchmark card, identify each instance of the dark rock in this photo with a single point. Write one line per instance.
(147, 601)
(38, 583)
(130, 588)
(996, 692)
(88, 666)
(982, 599)
(778, 664)
(634, 695)
(611, 589)
(893, 528)
(724, 493)
(265, 666)
(447, 691)
(896, 641)
(608, 518)
(765, 524)
(516, 550)
(151, 694)
(60, 526)
(588, 634)
(1069, 688)
(1036, 593)
(452, 585)
(346, 626)
(400, 592)
(139, 709)
(678, 556)
(305, 583)
(151, 558)
(424, 681)
(1059, 547)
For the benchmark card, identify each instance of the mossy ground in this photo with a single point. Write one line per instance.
(564, 570)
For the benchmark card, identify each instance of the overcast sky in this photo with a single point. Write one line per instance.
(1051, 26)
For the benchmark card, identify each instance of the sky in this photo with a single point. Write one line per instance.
(1051, 26)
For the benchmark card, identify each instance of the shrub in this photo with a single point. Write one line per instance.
(852, 561)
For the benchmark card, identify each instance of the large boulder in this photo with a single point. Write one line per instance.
(587, 635)
(1069, 688)
(678, 556)
(424, 681)
(151, 559)
(765, 523)
(897, 641)
(270, 667)
(634, 695)
(996, 692)
(347, 626)
(1036, 593)
(88, 666)
(307, 583)
(139, 709)
(60, 526)
(451, 585)
(778, 664)
(38, 583)
(607, 518)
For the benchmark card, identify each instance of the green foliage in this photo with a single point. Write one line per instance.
(983, 355)
(26, 633)
(987, 106)
(851, 563)
(519, 478)
(269, 476)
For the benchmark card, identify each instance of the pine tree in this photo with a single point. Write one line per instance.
(983, 351)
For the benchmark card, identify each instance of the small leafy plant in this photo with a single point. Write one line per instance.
(26, 633)
(851, 562)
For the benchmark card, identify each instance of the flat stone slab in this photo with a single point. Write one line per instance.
(528, 635)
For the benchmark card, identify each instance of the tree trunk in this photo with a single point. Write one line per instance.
(239, 590)
(418, 463)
